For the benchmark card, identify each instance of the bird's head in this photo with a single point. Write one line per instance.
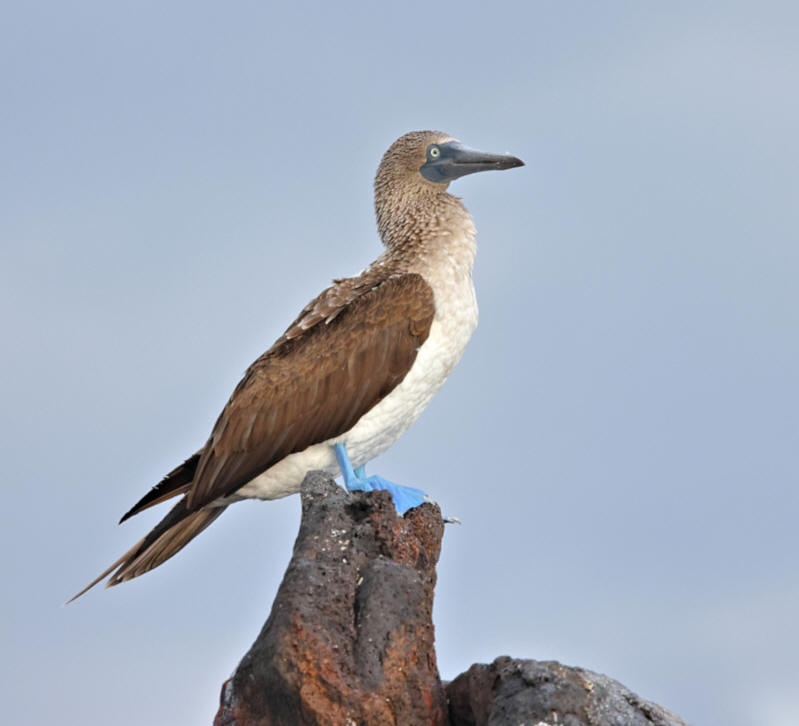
(432, 159)
(419, 167)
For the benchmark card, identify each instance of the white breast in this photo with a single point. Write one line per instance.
(454, 322)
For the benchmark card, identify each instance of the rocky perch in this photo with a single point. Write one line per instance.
(349, 641)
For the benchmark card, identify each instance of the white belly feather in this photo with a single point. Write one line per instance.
(454, 322)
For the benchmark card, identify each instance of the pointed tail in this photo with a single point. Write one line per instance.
(167, 538)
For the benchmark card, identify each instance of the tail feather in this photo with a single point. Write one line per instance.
(166, 539)
(106, 572)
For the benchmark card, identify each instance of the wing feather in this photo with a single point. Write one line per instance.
(176, 482)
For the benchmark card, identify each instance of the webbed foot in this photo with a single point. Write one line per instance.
(405, 498)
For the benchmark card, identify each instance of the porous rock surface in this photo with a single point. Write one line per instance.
(518, 692)
(349, 641)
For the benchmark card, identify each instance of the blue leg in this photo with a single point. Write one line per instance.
(405, 498)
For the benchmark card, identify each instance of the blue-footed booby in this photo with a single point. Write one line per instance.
(353, 371)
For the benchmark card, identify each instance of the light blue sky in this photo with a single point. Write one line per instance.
(621, 437)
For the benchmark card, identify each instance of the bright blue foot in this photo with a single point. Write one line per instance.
(405, 498)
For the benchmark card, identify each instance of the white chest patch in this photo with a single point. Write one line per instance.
(454, 322)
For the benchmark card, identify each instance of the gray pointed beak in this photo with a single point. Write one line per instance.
(451, 160)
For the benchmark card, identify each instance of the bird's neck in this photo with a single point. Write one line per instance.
(431, 228)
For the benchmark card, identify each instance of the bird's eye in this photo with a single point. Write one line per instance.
(435, 152)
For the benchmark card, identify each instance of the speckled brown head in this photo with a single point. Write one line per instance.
(413, 176)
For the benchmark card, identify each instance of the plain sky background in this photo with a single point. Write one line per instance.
(621, 437)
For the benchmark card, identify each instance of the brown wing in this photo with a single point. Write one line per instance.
(346, 351)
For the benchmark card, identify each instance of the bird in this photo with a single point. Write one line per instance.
(353, 371)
